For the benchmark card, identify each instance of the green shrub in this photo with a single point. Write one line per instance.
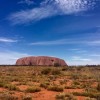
(62, 81)
(69, 87)
(56, 88)
(52, 77)
(7, 96)
(2, 84)
(44, 85)
(98, 87)
(76, 83)
(75, 76)
(88, 98)
(46, 71)
(33, 89)
(27, 97)
(88, 94)
(64, 68)
(73, 87)
(11, 87)
(56, 72)
(65, 96)
(86, 85)
(88, 89)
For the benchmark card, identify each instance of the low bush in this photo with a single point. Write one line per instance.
(52, 77)
(75, 76)
(88, 98)
(88, 94)
(56, 72)
(33, 89)
(44, 85)
(65, 96)
(46, 71)
(7, 96)
(98, 87)
(56, 88)
(27, 97)
(69, 87)
(62, 82)
(11, 87)
(73, 87)
(64, 68)
(88, 89)
(86, 85)
(2, 84)
(76, 83)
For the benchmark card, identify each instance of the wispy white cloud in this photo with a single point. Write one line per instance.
(92, 62)
(71, 6)
(10, 57)
(77, 58)
(28, 2)
(35, 14)
(58, 42)
(82, 51)
(69, 41)
(74, 49)
(7, 40)
(50, 8)
(78, 50)
(95, 55)
(94, 42)
(55, 42)
(81, 60)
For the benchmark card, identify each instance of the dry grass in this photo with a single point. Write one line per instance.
(53, 79)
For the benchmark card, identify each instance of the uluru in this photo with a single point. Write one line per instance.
(41, 61)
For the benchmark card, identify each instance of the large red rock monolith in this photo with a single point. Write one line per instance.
(41, 61)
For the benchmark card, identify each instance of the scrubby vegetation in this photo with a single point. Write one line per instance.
(27, 97)
(7, 96)
(56, 88)
(56, 83)
(65, 96)
(33, 89)
(88, 94)
(98, 86)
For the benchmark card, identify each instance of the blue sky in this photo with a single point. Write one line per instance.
(67, 29)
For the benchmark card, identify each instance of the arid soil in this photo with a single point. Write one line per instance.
(49, 83)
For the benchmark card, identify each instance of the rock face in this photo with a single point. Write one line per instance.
(41, 61)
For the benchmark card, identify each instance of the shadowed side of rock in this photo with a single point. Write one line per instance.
(41, 61)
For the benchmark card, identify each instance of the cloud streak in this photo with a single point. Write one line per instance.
(10, 57)
(95, 55)
(68, 41)
(96, 42)
(28, 2)
(77, 58)
(55, 42)
(77, 50)
(7, 40)
(49, 8)
(35, 14)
